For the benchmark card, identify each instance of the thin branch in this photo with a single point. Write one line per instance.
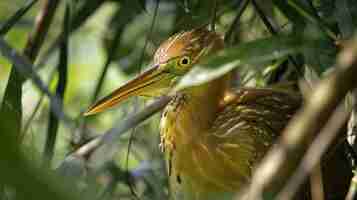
(30, 119)
(109, 140)
(315, 152)
(132, 189)
(13, 92)
(282, 160)
(124, 16)
(43, 22)
(28, 123)
(24, 66)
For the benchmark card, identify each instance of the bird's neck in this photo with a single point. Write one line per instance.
(191, 113)
(202, 102)
(185, 121)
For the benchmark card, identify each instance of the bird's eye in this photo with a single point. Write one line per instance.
(184, 61)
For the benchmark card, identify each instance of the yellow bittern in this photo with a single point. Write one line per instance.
(212, 137)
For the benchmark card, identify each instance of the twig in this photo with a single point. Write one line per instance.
(109, 140)
(315, 152)
(13, 92)
(28, 123)
(43, 22)
(280, 162)
(141, 59)
(108, 147)
(112, 50)
(24, 66)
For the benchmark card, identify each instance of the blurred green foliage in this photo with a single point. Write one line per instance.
(114, 35)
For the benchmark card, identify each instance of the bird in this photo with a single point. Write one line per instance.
(212, 135)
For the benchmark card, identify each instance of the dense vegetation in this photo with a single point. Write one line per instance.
(58, 57)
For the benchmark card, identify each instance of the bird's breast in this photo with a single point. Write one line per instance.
(193, 161)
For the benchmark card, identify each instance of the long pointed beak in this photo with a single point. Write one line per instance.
(138, 86)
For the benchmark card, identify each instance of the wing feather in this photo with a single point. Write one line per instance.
(247, 125)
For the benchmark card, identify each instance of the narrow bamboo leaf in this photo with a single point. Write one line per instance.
(345, 15)
(258, 51)
(304, 8)
(322, 56)
(142, 4)
(126, 14)
(294, 17)
(84, 11)
(6, 27)
(23, 65)
(60, 90)
(308, 14)
(228, 38)
(12, 106)
(27, 179)
(301, 13)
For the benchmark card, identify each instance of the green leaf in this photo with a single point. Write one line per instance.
(6, 27)
(322, 56)
(254, 52)
(294, 17)
(301, 13)
(345, 15)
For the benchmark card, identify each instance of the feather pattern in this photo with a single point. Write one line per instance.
(222, 157)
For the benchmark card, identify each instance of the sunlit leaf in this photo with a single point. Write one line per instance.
(258, 51)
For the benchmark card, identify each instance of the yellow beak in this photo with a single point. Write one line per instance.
(149, 83)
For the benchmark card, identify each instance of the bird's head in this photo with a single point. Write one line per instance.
(173, 59)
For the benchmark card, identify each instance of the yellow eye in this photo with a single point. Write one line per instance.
(184, 61)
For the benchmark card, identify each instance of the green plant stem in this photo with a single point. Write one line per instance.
(60, 91)
(11, 108)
